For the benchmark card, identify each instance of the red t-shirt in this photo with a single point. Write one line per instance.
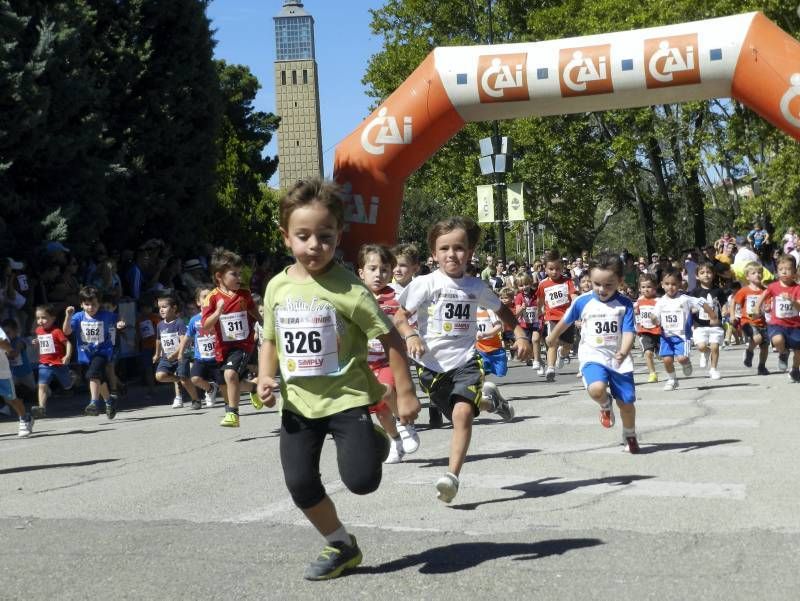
(235, 327)
(643, 308)
(743, 303)
(52, 345)
(528, 317)
(376, 354)
(783, 312)
(556, 296)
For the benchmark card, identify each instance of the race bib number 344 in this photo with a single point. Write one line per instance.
(309, 342)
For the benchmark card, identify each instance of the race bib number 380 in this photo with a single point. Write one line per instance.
(309, 343)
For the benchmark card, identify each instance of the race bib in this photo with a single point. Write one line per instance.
(646, 318)
(599, 332)
(47, 346)
(484, 324)
(169, 342)
(784, 308)
(309, 342)
(750, 303)
(530, 314)
(234, 326)
(206, 346)
(375, 350)
(22, 281)
(556, 296)
(672, 321)
(92, 332)
(454, 316)
(146, 329)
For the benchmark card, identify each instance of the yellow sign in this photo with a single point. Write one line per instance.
(516, 202)
(485, 204)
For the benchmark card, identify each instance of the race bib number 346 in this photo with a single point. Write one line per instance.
(309, 342)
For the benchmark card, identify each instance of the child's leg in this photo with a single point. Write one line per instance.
(779, 342)
(763, 352)
(105, 393)
(598, 393)
(649, 359)
(627, 411)
(17, 405)
(200, 383)
(232, 383)
(187, 384)
(669, 365)
(463, 416)
(94, 389)
(44, 390)
(535, 343)
(714, 355)
(387, 421)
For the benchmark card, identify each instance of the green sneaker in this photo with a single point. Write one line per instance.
(256, 401)
(334, 559)
(231, 420)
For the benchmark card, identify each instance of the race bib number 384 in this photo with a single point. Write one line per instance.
(309, 342)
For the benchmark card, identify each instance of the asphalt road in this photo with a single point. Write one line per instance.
(163, 503)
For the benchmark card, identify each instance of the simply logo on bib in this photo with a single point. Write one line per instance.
(308, 335)
(585, 71)
(671, 61)
(453, 314)
(388, 132)
(503, 77)
(789, 98)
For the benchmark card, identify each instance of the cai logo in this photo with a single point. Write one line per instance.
(384, 129)
(585, 71)
(790, 105)
(503, 77)
(356, 210)
(671, 61)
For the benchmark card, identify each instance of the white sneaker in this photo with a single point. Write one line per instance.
(25, 427)
(211, 395)
(714, 374)
(671, 385)
(536, 365)
(550, 375)
(395, 451)
(177, 403)
(447, 487)
(540, 371)
(409, 436)
(687, 368)
(703, 360)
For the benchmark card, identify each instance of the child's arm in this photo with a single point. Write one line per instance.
(521, 343)
(765, 297)
(555, 333)
(625, 346)
(414, 344)
(177, 354)
(496, 329)
(184, 340)
(5, 345)
(407, 403)
(67, 352)
(68, 313)
(157, 351)
(267, 368)
(212, 319)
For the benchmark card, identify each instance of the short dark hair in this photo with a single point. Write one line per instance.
(608, 262)
(409, 251)
(307, 191)
(383, 253)
(47, 308)
(648, 277)
(88, 293)
(222, 260)
(445, 226)
(551, 256)
(671, 272)
(171, 300)
(786, 259)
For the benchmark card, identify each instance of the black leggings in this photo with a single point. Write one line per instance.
(359, 453)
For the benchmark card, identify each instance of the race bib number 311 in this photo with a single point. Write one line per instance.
(234, 326)
(309, 342)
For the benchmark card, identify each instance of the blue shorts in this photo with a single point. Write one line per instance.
(495, 362)
(7, 391)
(59, 372)
(179, 368)
(673, 346)
(791, 336)
(621, 385)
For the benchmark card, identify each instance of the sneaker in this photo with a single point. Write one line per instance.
(536, 365)
(177, 403)
(607, 415)
(550, 374)
(714, 374)
(38, 412)
(794, 375)
(703, 360)
(748, 359)
(211, 395)
(500, 406)
(435, 420)
(652, 378)
(256, 401)
(25, 427)
(395, 451)
(528, 363)
(111, 407)
(540, 371)
(671, 385)
(91, 409)
(631, 444)
(196, 404)
(334, 559)
(762, 370)
(687, 368)
(447, 487)
(559, 359)
(231, 420)
(783, 362)
(409, 436)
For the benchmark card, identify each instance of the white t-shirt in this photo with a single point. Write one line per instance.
(673, 313)
(5, 368)
(446, 310)
(745, 255)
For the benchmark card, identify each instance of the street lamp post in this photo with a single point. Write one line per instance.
(495, 160)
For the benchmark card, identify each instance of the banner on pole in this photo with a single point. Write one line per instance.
(516, 203)
(485, 204)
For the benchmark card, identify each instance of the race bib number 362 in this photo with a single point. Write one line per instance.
(92, 332)
(309, 342)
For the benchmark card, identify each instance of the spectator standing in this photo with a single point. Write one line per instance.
(488, 271)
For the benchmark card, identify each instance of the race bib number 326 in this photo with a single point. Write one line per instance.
(309, 342)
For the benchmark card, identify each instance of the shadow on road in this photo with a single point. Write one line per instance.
(50, 466)
(685, 447)
(544, 488)
(443, 461)
(274, 434)
(464, 556)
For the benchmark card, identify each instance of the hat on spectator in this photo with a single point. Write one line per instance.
(54, 246)
(192, 264)
(15, 265)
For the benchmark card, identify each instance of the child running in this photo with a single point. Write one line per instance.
(171, 364)
(648, 331)
(753, 326)
(555, 294)
(7, 392)
(55, 353)
(526, 311)
(708, 338)
(445, 302)
(375, 266)
(204, 372)
(783, 297)
(672, 312)
(92, 327)
(317, 319)
(604, 351)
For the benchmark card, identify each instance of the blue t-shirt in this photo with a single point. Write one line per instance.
(603, 324)
(169, 334)
(94, 335)
(758, 237)
(204, 341)
(20, 365)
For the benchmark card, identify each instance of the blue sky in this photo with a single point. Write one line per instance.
(245, 35)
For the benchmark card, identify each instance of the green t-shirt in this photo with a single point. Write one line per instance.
(320, 328)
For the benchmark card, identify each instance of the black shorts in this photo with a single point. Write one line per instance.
(236, 360)
(96, 369)
(461, 384)
(208, 371)
(567, 336)
(750, 330)
(650, 342)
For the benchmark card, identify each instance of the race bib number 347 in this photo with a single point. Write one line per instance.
(309, 342)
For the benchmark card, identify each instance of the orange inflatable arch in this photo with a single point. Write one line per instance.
(746, 57)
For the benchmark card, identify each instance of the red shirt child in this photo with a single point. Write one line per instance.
(236, 324)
